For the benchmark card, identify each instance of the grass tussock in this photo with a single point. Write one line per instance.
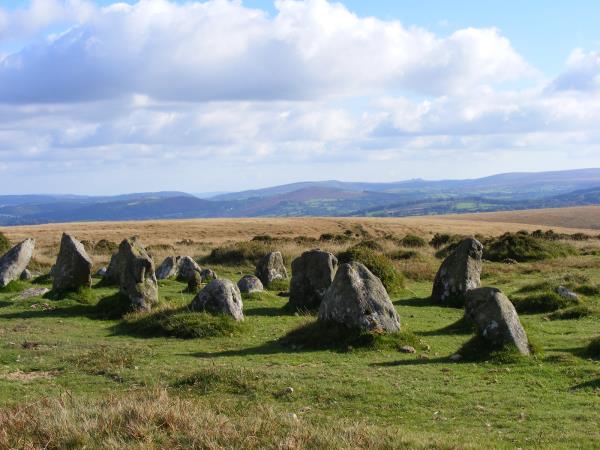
(523, 247)
(478, 349)
(83, 295)
(181, 323)
(543, 302)
(105, 247)
(156, 419)
(238, 381)
(378, 263)
(317, 335)
(413, 241)
(240, 253)
(13, 287)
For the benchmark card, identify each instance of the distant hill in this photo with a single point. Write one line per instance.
(503, 192)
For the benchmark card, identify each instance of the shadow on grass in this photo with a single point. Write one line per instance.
(592, 384)
(268, 348)
(268, 311)
(4, 304)
(415, 301)
(461, 326)
(108, 308)
(413, 361)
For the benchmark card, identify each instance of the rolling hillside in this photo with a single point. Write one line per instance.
(504, 192)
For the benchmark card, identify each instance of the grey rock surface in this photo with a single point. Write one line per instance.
(358, 299)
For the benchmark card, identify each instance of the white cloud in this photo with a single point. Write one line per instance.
(221, 50)
(176, 87)
(582, 73)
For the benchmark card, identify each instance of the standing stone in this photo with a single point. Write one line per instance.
(186, 268)
(208, 275)
(136, 276)
(459, 273)
(111, 275)
(15, 261)
(220, 297)
(496, 319)
(168, 268)
(358, 299)
(249, 284)
(271, 268)
(194, 282)
(73, 268)
(26, 275)
(312, 274)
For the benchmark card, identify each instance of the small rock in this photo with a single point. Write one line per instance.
(567, 293)
(456, 357)
(32, 292)
(101, 272)
(407, 349)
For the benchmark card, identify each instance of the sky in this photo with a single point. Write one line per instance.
(106, 97)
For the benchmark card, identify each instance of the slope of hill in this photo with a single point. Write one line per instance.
(514, 191)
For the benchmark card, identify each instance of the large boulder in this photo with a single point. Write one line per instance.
(168, 268)
(136, 276)
(358, 299)
(459, 273)
(15, 261)
(73, 268)
(249, 284)
(271, 268)
(186, 268)
(312, 274)
(496, 319)
(220, 297)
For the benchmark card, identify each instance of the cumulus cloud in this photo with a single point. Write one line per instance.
(582, 73)
(222, 50)
(174, 87)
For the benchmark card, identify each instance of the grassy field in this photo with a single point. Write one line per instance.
(73, 377)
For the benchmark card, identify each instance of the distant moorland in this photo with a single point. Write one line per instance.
(505, 192)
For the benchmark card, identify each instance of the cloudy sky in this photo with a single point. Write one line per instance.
(101, 97)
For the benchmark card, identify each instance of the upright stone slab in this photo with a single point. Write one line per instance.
(358, 299)
(312, 274)
(137, 279)
(220, 297)
(73, 267)
(271, 268)
(168, 268)
(186, 268)
(207, 275)
(459, 273)
(111, 274)
(496, 319)
(15, 261)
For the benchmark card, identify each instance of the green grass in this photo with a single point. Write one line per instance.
(523, 247)
(14, 286)
(83, 380)
(180, 323)
(378, 263)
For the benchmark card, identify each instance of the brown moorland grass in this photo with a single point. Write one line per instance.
(584, 217)
(198, 236)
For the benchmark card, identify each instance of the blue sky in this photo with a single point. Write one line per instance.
(101, 98)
